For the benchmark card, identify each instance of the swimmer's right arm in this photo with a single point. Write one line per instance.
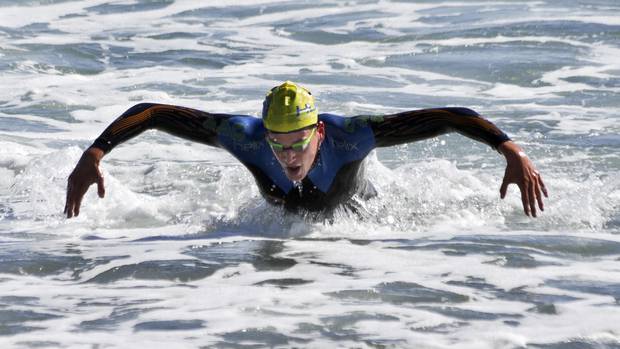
(187, 123)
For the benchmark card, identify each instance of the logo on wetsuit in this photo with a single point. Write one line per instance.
(342, 144)
(361, 121)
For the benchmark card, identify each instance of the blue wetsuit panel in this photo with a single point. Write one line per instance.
(244, 137)
(342, 145)
(246, 141)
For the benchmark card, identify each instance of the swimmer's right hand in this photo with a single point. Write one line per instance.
(85, 174)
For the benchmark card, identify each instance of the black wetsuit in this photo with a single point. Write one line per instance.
(337, 174)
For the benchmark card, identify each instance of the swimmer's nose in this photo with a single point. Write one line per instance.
(289, 156)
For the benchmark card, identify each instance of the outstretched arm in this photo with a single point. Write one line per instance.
(187, 123)
(184, 122)
(417, 125)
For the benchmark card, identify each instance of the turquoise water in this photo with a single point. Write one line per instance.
(184, 253)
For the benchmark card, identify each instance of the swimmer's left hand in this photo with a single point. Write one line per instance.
(521, 171)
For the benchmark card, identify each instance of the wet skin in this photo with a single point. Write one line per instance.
(296, 165)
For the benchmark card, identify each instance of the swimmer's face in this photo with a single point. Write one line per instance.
(296, 151)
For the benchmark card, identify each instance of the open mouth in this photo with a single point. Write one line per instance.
(293, 170)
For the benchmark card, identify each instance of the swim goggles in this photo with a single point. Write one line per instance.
(297, 147)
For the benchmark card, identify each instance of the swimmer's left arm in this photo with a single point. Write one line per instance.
(416, 125)
(422, 124)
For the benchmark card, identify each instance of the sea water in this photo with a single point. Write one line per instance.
(183, 252)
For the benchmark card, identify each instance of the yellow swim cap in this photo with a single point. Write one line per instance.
(288, 108)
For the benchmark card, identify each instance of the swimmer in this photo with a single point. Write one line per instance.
(300, 159)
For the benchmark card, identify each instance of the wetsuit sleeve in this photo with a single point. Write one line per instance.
(421, 124)
(183, 122)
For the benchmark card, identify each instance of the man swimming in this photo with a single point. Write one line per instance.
(300, 159)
